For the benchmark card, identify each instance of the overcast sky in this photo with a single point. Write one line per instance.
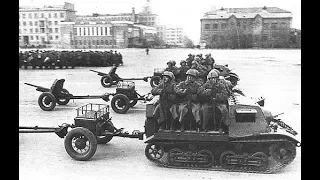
(185, 13)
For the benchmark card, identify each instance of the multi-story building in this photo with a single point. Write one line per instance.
(174, 35)
(42, 25)
(245, 27)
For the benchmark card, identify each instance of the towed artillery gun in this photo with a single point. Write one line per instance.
(91, 127)
(125, 97)
(107, 80)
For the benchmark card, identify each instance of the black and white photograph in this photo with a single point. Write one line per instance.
(159, 89)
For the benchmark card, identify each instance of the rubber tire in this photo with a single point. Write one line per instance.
(52, 98)
(107, 79)
(66, 101)
(154, 80)
(104, 139)
(92, 144)
(126, 101)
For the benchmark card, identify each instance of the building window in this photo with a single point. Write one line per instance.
(30, 15)
(84, 31)
(223, 25)
(80, 42)
(24, 23)
(207, 26)
(30, 23)
(93, 42)
(265, 38)
(75, 31)
(36, 30)
(266, 25)
(61, 15)
(35, 15)
(55, 22)
(102, 42)
(50, 30)
(84, 42)
(57, 37)
(49, 15)
(215, 26)
(31, 37)
(49, 23)
(36, 23)
(31, 30)
(37, 37)
(23, 16)
(283, 25)
(56, 30)
(273, 25)
(106, 42)
(55, 15)
(50, 38)
(42, 15)
(97, 42)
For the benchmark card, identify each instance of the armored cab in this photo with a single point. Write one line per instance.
(250, 142)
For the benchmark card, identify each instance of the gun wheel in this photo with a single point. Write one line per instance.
(47, 101)
(65, 101)
(120, 103)
(106, 81)
(225, 161)
(80, 144)
(155, 81)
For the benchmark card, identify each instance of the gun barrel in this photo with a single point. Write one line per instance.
(31, 85)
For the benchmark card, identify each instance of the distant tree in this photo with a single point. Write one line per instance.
(188, 43)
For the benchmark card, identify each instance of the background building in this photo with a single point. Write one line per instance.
(174, 36)
(246, 27)
(41, 26)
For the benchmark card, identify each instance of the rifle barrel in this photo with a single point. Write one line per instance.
(31, 85)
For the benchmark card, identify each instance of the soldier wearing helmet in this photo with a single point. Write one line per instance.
(214, 96)
(189, 60)
(172, 68)
(188, 99)
(182, 71)
(167, 98)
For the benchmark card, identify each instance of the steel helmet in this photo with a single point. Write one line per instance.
(182, 61)
(192, 72)
(169, 74)
(169, 62)
(234, 75)
(173, 62)
(213, 74)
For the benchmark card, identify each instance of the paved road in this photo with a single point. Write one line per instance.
(42, 156)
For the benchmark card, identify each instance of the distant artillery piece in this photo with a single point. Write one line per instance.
(125, 97)
(57, 94)
(112, 78)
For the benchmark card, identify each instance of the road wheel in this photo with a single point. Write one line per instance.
(47, 101)
(65, 101)
(154, 152)
(155, 81)
(206, 158)
(80, 144)
(106, 81)
(263, 159)
(225, 161)
(104, 139)
(283, 152)
(120, 103)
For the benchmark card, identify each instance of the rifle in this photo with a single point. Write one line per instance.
(282, 124)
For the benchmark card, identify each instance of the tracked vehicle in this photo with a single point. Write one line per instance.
(251, 142)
